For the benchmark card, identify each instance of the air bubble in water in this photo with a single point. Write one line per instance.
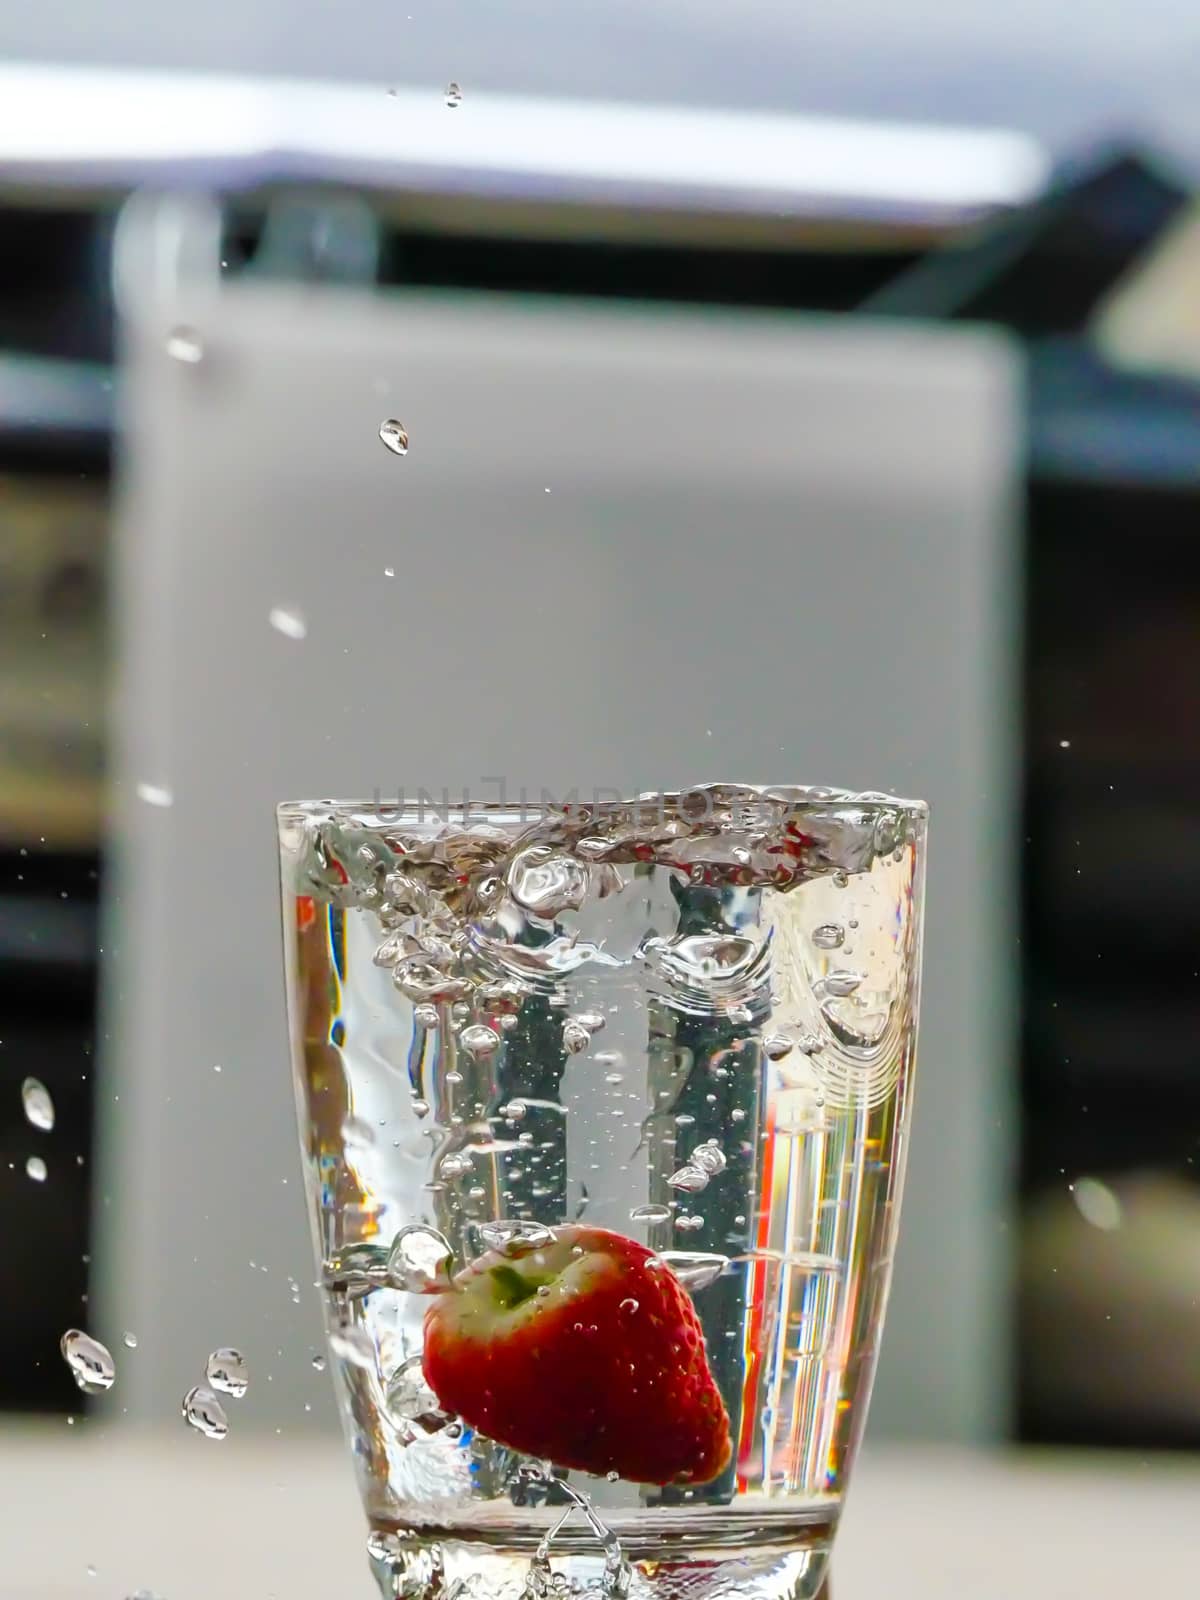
(650, 1213)
(1097, 1204)
(39, 1108)
(829, 936)
(480, 1041)
(420, 1107)
(515, 1110)
(426, 1015)
(777, 1045)
(694, 1271)
(35, 1168)
(226, 1370)
(205, 1413)
(455, 1165)
(353, 1345)
(840, 984)
(420, 1259)
(575, 1036)
(709, 1157)
(453, 96)
(690, 1179)
(593, 1021)
(130, 1341)
(689, 1224)
(287, 622)
(546, 883)
(514, 1238)
(408, 1396)
(318, 1363)
(394, 436)
(185, 344)
(91, 1364)
(424, 980)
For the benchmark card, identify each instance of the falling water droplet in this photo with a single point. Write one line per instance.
(205, 1413)
(185, 344)
(650, 1213)
(690, 1179)
(480, 1041)
(91, 1364)
(709, 1157)
(1097, 1204)
(420, 1260)
(288, 622)
(394, 436)
(226, 1370)
(389, 572)
(130, 1341)
(39, 1108)
(155, 794)
(829, 936)
(453, 96)
(35, 1168)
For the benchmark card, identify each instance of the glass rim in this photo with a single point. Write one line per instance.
(797, 799)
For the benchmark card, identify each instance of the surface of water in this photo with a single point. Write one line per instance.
(688, 1022)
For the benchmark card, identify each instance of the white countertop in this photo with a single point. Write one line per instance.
(191, 1520)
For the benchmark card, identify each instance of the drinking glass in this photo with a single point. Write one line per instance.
(603, 1111)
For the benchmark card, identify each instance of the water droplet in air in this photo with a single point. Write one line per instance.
(480, 1041)
(455, 1165)
(690, 1179)
(130, 1341)
(546, 883)
(226, 1370)
(453, 96)
(389, 572)
(155, 794)
(575, 1037)
(39, 1108)
(709, 1157)
(205, 1413)
(777, 1045)
(186, 345)
(1097, 1204)
(421, 1259)
(394, 436)
(693, 1270)
(829, 936)
(35, 1168)
(91, 1365)
(318, 1363)
(289, 623)
(650, 1213)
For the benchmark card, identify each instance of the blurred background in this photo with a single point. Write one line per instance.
(822, 393)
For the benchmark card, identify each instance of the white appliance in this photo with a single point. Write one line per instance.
(631, 545)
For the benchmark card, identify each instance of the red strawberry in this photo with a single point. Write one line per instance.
(605, 1372)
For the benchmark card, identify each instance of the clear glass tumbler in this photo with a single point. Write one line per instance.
(603, 1111)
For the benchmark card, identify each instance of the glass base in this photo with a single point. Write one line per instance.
(442, 1564)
